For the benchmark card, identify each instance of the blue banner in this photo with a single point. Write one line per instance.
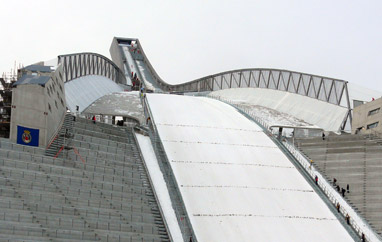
(27, 136)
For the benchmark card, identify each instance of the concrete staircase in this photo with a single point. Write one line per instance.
(97, 191)
(64, 133)
(354, 160)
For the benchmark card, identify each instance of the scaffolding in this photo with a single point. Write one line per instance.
(6, 82)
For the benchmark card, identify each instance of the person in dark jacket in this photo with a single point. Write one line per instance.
(94, 119)
(343, 191)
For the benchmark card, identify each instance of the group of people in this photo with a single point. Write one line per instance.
(338, 206)
(341, 190)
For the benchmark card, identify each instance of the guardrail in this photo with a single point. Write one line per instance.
(359, 225)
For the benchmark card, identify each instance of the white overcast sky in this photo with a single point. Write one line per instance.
(185, 40)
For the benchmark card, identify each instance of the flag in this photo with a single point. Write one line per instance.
(27, 136)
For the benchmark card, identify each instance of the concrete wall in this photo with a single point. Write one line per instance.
(39, 107)
(361, 117)
(28, 110)
(56, 116)
(117, 55)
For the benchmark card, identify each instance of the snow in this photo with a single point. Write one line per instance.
(129, 60)
(273, 117)
(126, 104)
(235, 182)
(159, 186)
(150, 84)
(140, 68)
(305, 109)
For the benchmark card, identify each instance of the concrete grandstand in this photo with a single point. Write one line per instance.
(235, 156)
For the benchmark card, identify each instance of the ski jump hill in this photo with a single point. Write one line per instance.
(211, 165)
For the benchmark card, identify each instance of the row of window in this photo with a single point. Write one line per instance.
(372, 112)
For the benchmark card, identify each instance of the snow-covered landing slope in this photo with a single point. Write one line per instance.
(236, 184)
(325, 115)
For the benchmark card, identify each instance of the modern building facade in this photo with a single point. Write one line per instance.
(367, 118)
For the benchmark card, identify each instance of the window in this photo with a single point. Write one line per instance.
(374, 111)
(373, 125)
(49, 107)
(55, 102)
(357, 103)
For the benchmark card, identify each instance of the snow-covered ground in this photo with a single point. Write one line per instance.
(118, 104)
(236, 184)
(147, 77)
(159, 186)
(273, 117)
(305, 110)
(130, 60)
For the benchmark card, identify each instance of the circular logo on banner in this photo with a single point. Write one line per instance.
(26, 137)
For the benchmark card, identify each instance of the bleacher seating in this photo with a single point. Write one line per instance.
(97, 190)
(355, 160)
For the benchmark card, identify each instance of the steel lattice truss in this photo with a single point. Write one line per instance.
(83, 64)
(326, 89)
(322, 88)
